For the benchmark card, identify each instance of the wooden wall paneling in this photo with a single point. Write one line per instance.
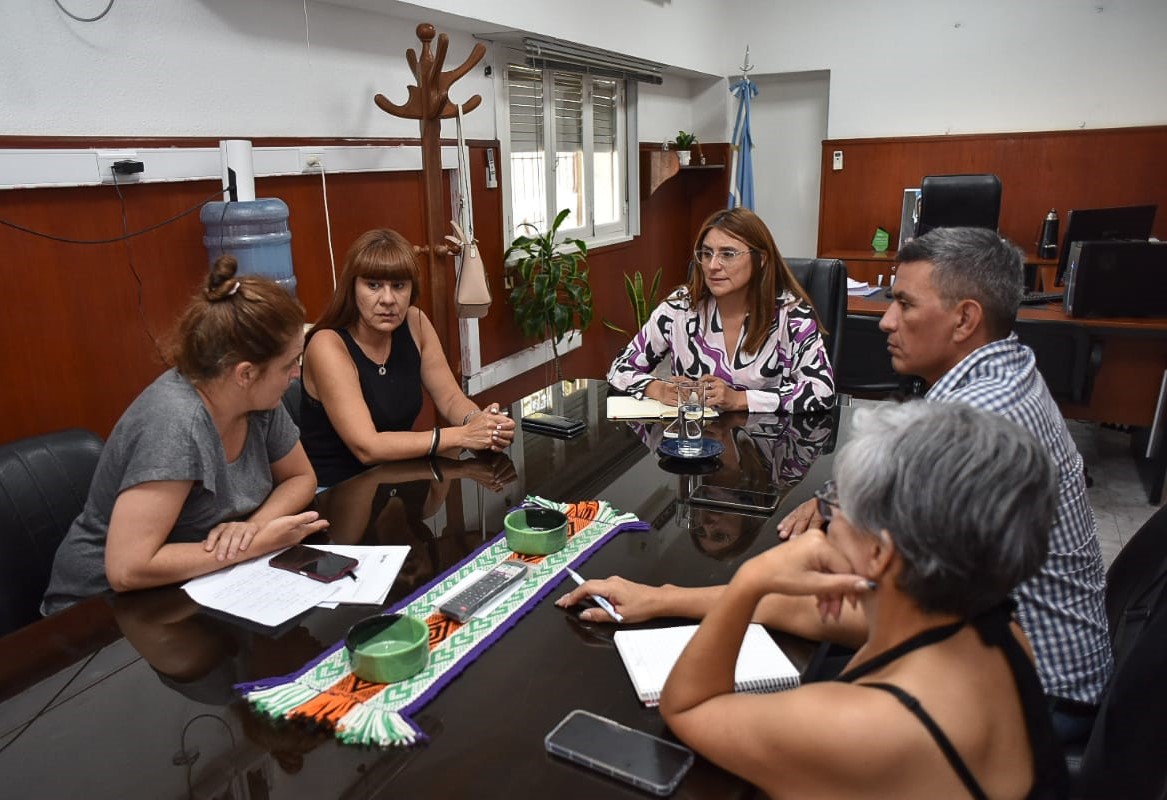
(1038, 171)
(77, 352)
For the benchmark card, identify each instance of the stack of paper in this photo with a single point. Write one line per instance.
(861, 289)
(256, 591)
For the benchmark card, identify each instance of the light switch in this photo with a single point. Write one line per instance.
(837, 160)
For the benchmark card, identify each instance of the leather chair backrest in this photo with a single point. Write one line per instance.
(1123, 757)
(825, 280)
(44, 481)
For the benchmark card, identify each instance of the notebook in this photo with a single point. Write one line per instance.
(620, 407)
(649, 655)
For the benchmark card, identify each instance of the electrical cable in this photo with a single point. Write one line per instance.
(328, 225)
(85, 19)
(184, 758)
(114, 240)
(52, 699)
(134, 271)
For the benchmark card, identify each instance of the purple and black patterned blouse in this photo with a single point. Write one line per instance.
(790, 373)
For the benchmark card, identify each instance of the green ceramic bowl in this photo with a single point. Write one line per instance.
(536, 531)
(388, 647)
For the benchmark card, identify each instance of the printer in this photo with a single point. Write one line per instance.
(1116, 279)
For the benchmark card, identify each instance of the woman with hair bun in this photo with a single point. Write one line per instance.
(205, 468)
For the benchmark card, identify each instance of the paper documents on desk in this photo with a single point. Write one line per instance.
(631, 408)
(258, 592)
(860, 288)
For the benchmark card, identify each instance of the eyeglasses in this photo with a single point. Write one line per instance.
(827, 498)
(725, 256)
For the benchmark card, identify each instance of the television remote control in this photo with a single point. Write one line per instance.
(485, 588)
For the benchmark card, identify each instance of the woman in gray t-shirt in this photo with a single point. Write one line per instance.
(205, 468)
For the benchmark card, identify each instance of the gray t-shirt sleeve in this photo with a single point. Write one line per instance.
(167, 435)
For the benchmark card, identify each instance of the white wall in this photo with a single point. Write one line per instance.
(226, 68)
(904, 67)
(214, 68)
(789, 121)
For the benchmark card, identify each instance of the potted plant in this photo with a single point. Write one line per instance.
(642, 303)
(684, 143)
(551, 294)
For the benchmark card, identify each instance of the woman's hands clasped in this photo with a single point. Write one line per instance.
(489, 429)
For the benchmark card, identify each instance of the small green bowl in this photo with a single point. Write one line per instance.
(388, 647)
(536, 531)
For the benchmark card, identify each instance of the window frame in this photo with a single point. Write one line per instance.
(594, 235)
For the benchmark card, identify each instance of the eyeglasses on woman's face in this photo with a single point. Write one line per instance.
(827, 500)
(725, 256)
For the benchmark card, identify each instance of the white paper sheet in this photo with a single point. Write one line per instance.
(376, 572)
(256, 591)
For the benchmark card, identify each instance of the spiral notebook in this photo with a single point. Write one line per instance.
(649, 655)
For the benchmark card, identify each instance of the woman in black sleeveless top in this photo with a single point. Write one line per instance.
(366, 362)
(940, 511)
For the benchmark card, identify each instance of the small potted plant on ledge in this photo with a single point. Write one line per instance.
(684, 143)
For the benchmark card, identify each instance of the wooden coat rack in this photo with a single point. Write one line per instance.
(429, 103)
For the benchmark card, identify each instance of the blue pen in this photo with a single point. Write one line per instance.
(602, 602)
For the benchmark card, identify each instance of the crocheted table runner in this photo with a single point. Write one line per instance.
(325, 691)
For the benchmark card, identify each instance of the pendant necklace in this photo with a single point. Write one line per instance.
(381, 369)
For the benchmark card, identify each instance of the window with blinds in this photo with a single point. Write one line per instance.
(567, 148)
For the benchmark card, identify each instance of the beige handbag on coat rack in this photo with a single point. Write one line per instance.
(472, 295)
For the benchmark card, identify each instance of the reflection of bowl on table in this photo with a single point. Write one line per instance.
(536, 531)
(388, 647)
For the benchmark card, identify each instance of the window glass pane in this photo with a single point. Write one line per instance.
(569, 174)
(609, 181)
(528, 161)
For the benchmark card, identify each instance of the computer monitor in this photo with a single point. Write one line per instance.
(1104, 224)
(959, 201)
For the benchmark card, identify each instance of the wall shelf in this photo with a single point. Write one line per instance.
(662, 165)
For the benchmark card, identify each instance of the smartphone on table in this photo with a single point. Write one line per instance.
(319, 565)
(635, 757)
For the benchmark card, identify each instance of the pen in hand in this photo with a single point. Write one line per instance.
(602, 602)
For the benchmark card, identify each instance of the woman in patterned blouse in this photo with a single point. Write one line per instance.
(708, 331)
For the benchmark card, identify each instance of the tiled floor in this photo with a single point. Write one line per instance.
(1120, 503)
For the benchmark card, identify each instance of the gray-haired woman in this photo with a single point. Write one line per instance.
(937, 512)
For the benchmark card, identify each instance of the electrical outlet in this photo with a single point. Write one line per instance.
(311, 160)
(107, 158)
(837, 160)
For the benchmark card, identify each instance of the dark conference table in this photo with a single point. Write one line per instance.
(131, 696)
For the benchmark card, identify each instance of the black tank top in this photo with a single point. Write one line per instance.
(1050, 777)
(393, 399)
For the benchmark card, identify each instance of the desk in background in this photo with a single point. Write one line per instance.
(1129, 379)
(130, 695)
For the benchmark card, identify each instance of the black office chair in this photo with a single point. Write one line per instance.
(44, 481)
(825, 280)
(1123, 757)
(1066, 357)
(293, 396)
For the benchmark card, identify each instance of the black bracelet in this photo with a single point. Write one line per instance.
(437, 473)
(435, 441)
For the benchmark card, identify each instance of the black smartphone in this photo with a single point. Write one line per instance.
(319, 565)
(553, 425)
(737, 499)
(635, 757)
